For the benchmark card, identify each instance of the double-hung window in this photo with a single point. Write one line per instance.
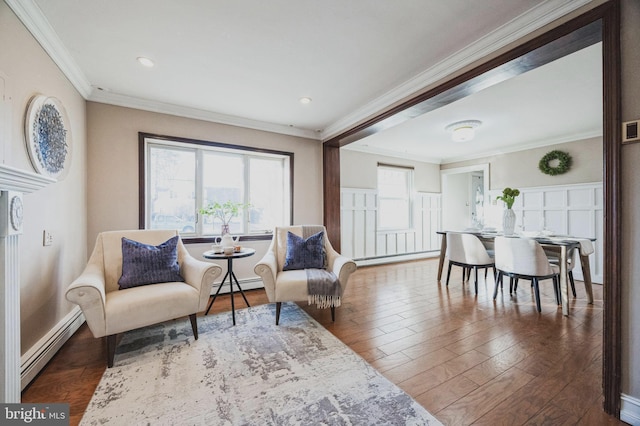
(183, 175)
(395, 186)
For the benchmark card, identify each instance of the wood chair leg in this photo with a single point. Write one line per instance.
(449, 272)
(497, 281)
(556, 289)
(111, 349)
(278, 306)
(333, 314)
(194, 325)
(573, 283)
(475, 268)
(536, 291)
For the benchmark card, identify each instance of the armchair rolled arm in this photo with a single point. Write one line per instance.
(343, 267)
(88, 291)
(200, 275)
(267, 269)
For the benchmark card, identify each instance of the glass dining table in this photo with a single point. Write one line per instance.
(562, 245)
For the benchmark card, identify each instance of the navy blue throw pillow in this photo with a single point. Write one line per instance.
(146, 264)
(304, 253)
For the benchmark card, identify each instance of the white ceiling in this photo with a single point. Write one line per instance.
(247, 62)
(558, 102)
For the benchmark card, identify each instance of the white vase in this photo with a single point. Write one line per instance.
(508, 222)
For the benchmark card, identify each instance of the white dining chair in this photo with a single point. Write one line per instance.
(468, 252)
(524, 258)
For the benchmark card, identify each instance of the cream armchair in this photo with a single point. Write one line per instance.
(291, 285)
(109, 310)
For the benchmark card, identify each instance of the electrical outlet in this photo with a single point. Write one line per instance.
(47, 238)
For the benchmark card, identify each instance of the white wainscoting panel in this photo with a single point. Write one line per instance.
(575, 210)
(358, 222)
(362, 240)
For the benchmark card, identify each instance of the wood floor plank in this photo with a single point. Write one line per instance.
(446, 393)
(496, 365)
(484, 398)
(416, 366)
(430, 378)
(525, 403)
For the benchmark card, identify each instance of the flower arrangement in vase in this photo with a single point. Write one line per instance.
(509, 196)
(509, 217)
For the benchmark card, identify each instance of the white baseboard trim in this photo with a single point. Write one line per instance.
(246, 284)
(34, 360)
(630, 410)
(396, 258)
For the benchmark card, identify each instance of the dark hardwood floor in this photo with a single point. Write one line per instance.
(467, 359)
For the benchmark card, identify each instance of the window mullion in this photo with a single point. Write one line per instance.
(247, 186)
(199, 192)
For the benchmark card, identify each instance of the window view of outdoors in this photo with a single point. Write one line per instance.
(267, 195)
(171, 194)
(184, 177)
(394, 198)
(223, 180)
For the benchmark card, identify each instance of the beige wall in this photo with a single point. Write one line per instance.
(520, 169)
(113, 161)
(630, 232)
(359, 170)
(59, 208)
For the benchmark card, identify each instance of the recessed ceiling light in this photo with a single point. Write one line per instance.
(145, 61)
(305, 100)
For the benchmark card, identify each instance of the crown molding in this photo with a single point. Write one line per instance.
(536, 144)
(34, 20)
(449, 160)
(514, 30)
(392, 153)
(198, 114)
(31, 16)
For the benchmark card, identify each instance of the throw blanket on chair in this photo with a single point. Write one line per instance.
(323, 287)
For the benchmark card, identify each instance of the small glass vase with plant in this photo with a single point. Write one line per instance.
(224, 212)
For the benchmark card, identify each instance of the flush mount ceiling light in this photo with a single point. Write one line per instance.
(463, 131)
(305, 100)
(145, 61)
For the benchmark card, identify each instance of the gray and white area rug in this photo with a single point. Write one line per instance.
(255, 373)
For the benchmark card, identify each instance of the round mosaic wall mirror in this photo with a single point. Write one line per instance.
(47, 136)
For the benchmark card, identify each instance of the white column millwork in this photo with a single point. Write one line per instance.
(13, 184)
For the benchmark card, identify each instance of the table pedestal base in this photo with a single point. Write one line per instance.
(232, 278)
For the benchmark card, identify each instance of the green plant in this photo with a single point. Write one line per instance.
(509, 196)
(224, 212)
